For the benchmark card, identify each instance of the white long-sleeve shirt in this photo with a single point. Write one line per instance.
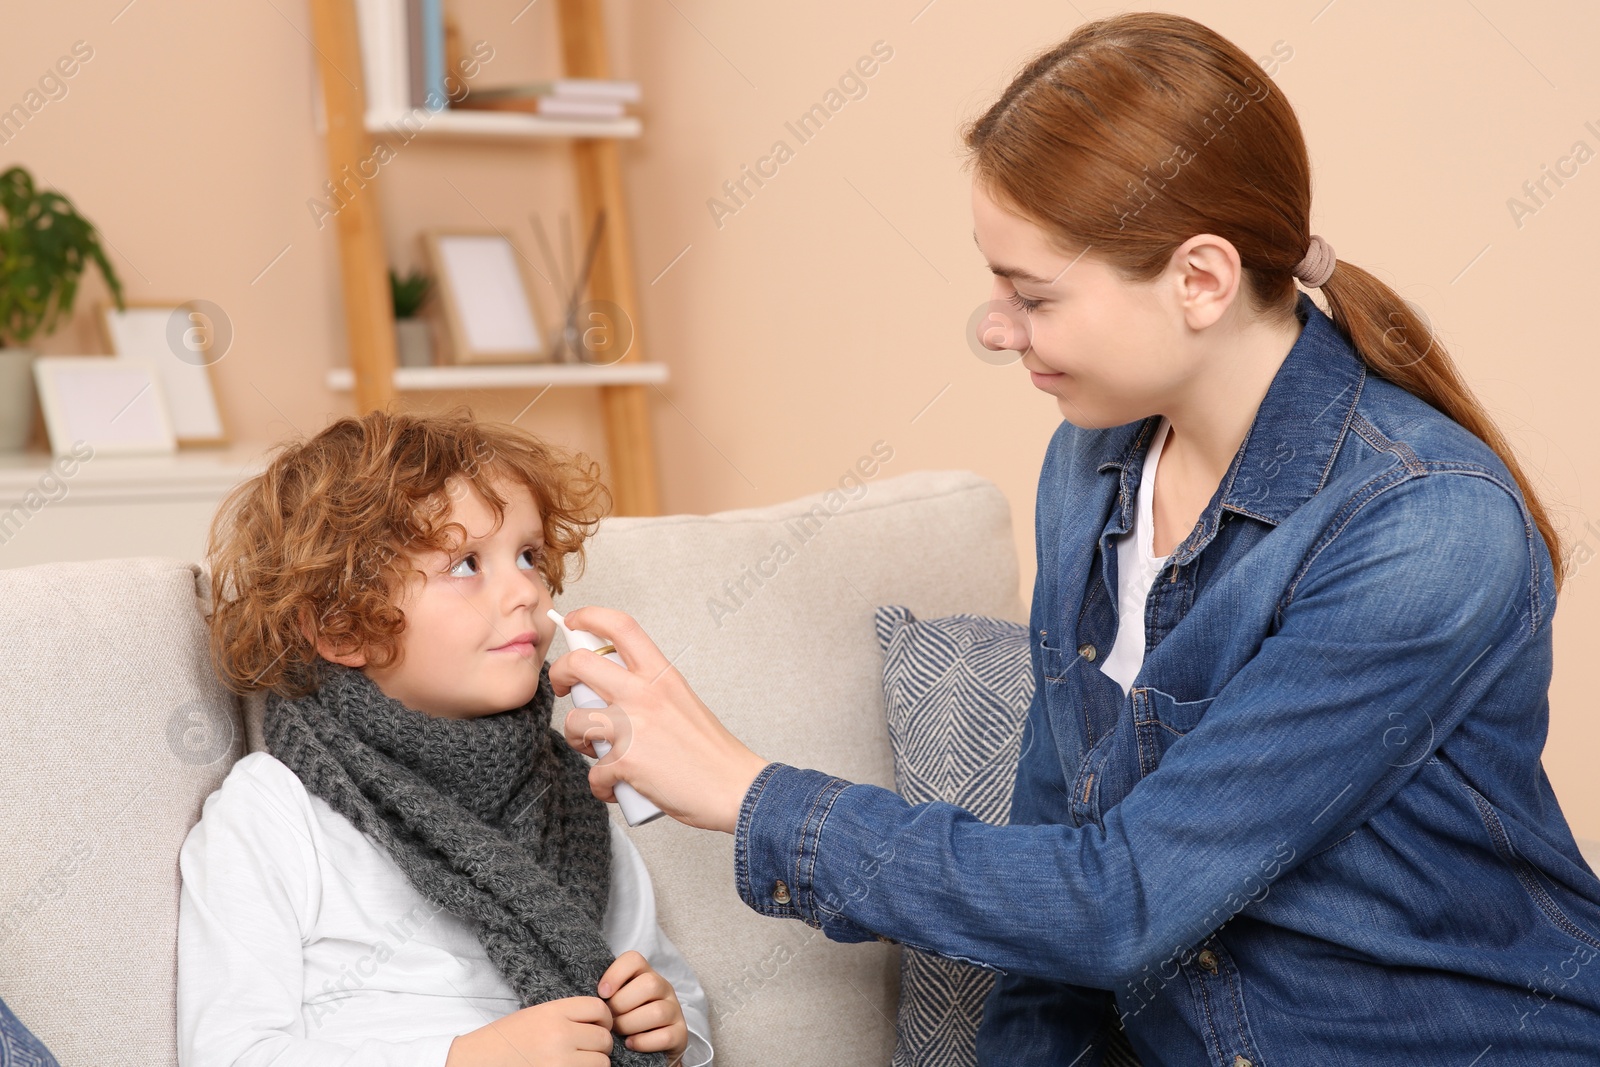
(301, 943)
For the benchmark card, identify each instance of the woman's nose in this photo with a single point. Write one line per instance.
(1002, 327)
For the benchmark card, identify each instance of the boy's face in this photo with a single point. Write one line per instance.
(463, 652)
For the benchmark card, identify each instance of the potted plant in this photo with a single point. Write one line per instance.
(413, 336)
(45, 245)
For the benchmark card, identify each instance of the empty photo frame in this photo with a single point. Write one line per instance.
(115, 404)
(485, 297)
(180, 339)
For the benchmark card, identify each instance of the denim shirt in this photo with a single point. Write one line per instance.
(1316, 829)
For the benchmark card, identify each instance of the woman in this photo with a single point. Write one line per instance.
(1290, 635)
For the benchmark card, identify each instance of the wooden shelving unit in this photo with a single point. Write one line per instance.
(373, 374)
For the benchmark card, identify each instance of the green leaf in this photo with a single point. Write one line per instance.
(45, 246)
(408, 293)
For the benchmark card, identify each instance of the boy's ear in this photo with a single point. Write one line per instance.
(326, 650)
(351, 659)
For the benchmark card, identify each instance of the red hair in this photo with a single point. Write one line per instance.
(1143, 129)
(321, 543)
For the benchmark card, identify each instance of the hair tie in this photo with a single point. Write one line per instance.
(1317, 266)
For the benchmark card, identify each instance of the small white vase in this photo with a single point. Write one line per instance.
(16, 398)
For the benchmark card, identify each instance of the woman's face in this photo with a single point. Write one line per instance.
(1107, 350)
(458, 656)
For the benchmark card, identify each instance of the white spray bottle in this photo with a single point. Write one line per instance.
(635, 808)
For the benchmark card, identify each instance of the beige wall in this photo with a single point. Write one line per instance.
(828, 312)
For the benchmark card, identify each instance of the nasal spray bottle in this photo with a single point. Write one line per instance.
(635, 808)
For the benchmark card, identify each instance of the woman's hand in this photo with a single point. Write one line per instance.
(644, 1007)
(664, 741)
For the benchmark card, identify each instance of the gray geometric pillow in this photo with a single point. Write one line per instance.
(956, 691)
(18, 1046)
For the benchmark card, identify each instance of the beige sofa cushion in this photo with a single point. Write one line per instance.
(795, 671)
(114, 730)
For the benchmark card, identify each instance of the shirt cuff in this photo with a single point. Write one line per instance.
(697, 1053)
(776, 840)
(433, 1050)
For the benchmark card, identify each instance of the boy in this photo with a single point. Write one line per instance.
(415, 871)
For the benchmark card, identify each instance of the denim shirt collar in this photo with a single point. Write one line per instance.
(1303, 416)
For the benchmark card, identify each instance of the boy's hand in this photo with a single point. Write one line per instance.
(570, 1032)
(644, 1007)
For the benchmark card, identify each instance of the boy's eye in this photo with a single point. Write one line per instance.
(532, 556)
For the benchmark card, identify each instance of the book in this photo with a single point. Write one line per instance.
(381, 25)
(547, 106)
(415, 66)
(437, 94)
(567, 88)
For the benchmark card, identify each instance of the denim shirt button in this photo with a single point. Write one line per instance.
(1208, 960)
(780, 892)
(1240, 1061)
(1087, 652)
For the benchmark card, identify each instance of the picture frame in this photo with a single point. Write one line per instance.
(115, 403)
(485, 297)
(145, 329)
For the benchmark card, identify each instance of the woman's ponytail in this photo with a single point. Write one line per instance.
(1398, 344)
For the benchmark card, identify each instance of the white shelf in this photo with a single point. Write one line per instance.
(511, 375)
(499, 125)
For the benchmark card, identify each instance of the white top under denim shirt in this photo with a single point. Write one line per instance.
(1137, 567)
(1314, 830)
(302, 944)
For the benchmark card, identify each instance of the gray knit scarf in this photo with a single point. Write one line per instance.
(490, 817)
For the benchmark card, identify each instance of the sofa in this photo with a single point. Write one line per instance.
(114, 729)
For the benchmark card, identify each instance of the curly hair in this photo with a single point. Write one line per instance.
(324, 540)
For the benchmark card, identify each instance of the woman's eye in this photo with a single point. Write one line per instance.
(1023, 303)
(455, 571)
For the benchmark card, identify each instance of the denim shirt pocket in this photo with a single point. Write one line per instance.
(1160, 719)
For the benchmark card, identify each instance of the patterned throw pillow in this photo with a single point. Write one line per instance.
(956, 692)
(18, 1046)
